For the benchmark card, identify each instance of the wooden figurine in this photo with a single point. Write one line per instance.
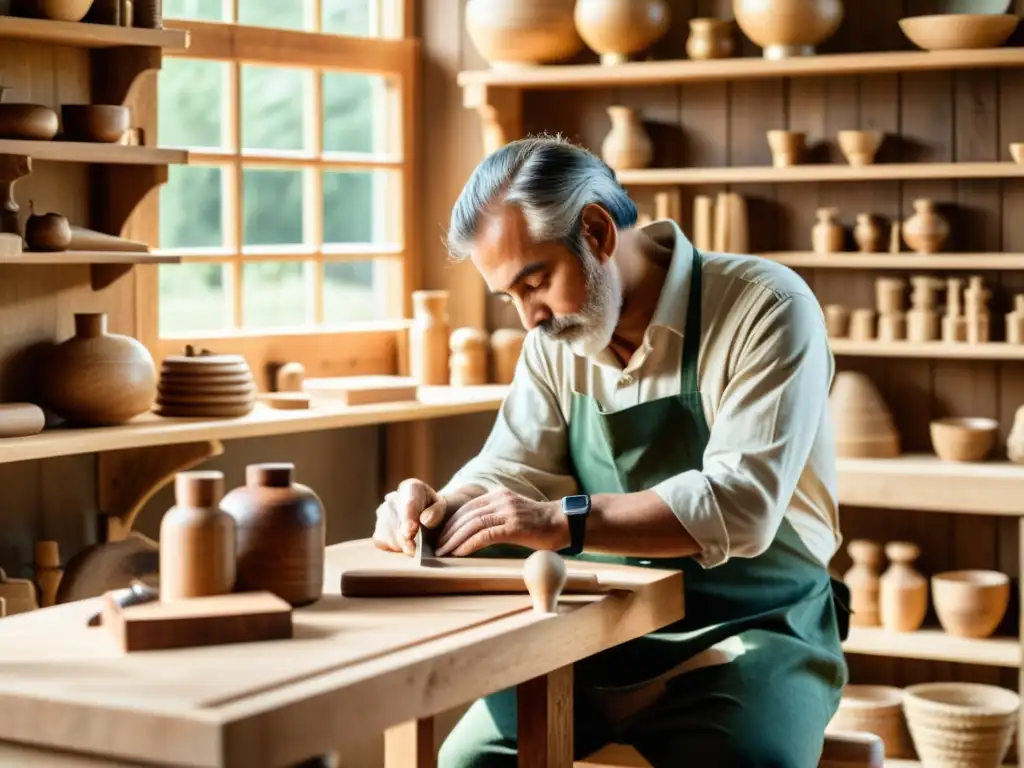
(506, 346)
(197, 539)
(827, 233)
(866, 233)
(280, 533)
(837, 320)
(48, 571)
(891, 314)
(922, 319)
(545, 574)
(428, 338)
(904, 591)
(977, 320)
(862, 324)
(1015, 321)
(863, 580)
(468, 361)
(954, 326)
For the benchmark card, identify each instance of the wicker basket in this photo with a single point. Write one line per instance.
(960, 725)
(876, 709)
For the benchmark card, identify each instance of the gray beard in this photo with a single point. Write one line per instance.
(590, 330)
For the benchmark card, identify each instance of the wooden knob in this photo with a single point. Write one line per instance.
(290, 377)
(545, 575)
(90, 325)
(902, 551)
(198, 489)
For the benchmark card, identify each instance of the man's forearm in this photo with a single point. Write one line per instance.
(637, 525)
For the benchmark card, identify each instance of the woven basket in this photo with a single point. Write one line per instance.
(876, 709)
(960, 725)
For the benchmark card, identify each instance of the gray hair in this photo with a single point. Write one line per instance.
(551, 180)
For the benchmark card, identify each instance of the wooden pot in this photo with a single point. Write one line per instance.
(876, 709)
(866, 233)
(863, 580)
(970, 603)
(964, 439)
(516, 33)
(98, 378)
(710, 39)
(788, 147)
(927, 230)
(785, 28)
(627, 145)
(616, 29)
(280, 533)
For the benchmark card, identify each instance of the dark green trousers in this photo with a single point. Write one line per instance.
(767, 708)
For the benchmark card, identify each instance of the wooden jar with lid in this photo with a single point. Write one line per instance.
(280, 534)
(197, 539)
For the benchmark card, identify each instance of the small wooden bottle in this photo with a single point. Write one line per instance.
(1015, 321)
(954, 326)
(48, 571)
(904, 591)
(428, 338)
(977, 321)
(863, 581)
(197, 539)
(468, 362)
(506, 346)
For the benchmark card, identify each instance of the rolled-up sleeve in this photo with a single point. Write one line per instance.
(525, 451)
(764, 429)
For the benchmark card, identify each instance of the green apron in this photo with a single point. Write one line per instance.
(767, 707)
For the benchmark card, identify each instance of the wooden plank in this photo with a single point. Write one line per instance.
(995, 350)
(28, 258)
(434, 402)
(923, 482)
(86, 152)
(410, 745)
(545, 720)
(565, 76)
(822, 172)
(364, 666)
(934, 644)
(90, 35)
(921, 261)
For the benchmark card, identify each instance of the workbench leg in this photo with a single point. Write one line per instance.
(546, 720)
(410, 745)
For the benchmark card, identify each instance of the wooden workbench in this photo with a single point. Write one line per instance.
(354, 667)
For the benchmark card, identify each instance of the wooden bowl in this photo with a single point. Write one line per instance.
(31, 122)
(1017, 152)
(860, 147)
(970, 603)
(957, 31)
(963, 439)
(104, 123)
(876, 709)
(787, 147)
(63, 10)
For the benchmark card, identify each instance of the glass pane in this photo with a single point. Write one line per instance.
(193, 297)
(355, 291)
(272, 113)
(348, 17)
(276, 294)
(207, 10)
(349, 119)
(273, 207)
(282, 14)
(190, 208)
(357, 209)
(190, 103)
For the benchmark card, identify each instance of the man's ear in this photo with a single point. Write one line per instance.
(599, 232)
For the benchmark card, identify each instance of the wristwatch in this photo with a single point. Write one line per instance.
(577, 509)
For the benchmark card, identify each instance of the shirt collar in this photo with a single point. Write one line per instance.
(672, 303)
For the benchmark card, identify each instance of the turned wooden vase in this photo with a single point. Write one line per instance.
(280, 534)
(785, 28)
(616, 29)
(927, 230)
(516, 33)
(96, 377)
(627, 145)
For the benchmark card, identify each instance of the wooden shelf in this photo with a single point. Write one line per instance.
(557, 76)
(851, 260)
(27, 258)
(993, 350)
(934, 645)
(897, 763)
(925, 482)
(149, 429)
(86, 152)
(820, 172)
(90, 35)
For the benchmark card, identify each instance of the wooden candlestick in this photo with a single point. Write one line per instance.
(545, 574)
(428, 338)
(468, 361)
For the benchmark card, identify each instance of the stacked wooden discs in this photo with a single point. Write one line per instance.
(204, 385)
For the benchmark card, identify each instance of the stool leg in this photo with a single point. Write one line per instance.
(410, 745)
(545, 714)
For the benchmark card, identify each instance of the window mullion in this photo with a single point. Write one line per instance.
(238, 173)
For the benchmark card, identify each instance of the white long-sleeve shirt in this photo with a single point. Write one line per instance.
(764, 373)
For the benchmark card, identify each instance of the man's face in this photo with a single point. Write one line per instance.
(572, 301)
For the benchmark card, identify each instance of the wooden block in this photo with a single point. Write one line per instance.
(233, 618)
(363, 390)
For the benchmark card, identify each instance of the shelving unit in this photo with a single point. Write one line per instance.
(934, 645)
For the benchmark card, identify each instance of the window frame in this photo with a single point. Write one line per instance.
(358, 348)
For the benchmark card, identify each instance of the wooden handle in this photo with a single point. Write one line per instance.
(408, 582)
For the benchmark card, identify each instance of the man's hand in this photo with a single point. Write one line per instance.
(402, 513)
(503, 517)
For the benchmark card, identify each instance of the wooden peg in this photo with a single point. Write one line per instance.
(48, 571)
(545, 575)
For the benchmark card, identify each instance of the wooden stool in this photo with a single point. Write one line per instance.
(841, 750)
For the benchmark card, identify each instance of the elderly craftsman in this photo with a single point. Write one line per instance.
(670, 409)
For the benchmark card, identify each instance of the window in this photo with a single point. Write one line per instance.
(293, 213)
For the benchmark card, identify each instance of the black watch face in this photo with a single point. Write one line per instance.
(576, 504)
